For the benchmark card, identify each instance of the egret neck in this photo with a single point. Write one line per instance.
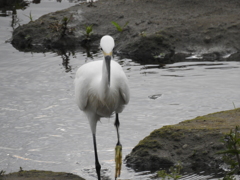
(108, 68)
(106, 73)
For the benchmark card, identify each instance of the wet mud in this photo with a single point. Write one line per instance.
(157, 31)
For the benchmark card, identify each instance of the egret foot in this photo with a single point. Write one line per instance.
(90, 4)
(118, 160)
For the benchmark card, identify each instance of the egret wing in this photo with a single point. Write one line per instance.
(124, 90)
(86, 76)
(121, 81)
(81, 91)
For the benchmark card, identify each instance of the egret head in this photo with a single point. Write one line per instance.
(107, 45)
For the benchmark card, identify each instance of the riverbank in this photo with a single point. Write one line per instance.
(156, 31)
(194, 143)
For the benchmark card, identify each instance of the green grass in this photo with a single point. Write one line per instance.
(88, 30)
(174, 172)
(118, 27)
(30, 16)
(231, 155)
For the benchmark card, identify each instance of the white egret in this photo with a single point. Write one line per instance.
(101, 88)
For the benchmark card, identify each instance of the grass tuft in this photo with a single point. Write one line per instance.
(118, 27)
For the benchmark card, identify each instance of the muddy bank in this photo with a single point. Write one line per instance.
(39, 175)
(194, 143)
(158, 31)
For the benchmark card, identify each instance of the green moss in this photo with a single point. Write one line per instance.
(219, 120)
(223, 120)
(162, 132)
(149, 143)
(169, 132)
(216, 122)
(177, 135)
(143, 153)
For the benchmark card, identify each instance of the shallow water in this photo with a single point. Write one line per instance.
(42, 128)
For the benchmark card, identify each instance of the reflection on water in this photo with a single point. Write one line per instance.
(10, 7)
(65, 54)
(36, 1)
(42, 127)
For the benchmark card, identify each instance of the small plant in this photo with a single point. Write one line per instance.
(88, 31)
(30, 16)
(27, 37)
(174, 172)
(143, 34)
(234, 105)
(2, 173)
(118, 27)
(20, 169)
(62, 26)
(231, 155)
(162, 174)
(229, 177)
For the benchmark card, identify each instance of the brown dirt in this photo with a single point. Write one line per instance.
(194, 143)
(158, 30)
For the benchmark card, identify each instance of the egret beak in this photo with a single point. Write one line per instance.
(108, 62)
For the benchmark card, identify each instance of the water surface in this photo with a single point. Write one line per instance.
(42, 127)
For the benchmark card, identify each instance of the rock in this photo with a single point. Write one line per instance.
(40, 175)
(194, 143)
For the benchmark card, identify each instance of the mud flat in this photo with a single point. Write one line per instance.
(158, 31)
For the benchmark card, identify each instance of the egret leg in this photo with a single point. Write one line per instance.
(91, 4)
(97, 165)
(118, 150)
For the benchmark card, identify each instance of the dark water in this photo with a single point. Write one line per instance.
(42, 128)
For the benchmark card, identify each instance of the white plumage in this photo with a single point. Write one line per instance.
(101, 88)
